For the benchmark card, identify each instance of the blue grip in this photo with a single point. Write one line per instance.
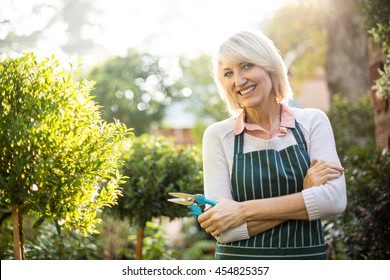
(195, 209)
(203, 200)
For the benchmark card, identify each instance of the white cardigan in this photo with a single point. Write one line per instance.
(218, 149)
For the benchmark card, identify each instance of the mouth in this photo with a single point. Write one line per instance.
(246, 90)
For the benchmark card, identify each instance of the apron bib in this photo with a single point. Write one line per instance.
(270, 173)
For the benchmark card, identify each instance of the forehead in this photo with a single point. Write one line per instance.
(226, 65)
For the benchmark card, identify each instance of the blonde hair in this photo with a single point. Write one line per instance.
(254, 47)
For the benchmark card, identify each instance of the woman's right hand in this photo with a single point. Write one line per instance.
(320, 172)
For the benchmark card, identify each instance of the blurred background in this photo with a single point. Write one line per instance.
(155, 54)
(150, 60)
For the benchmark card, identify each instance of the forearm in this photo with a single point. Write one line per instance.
(256, 227)
(276, 208)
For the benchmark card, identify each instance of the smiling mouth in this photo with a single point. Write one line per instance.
(247, 90)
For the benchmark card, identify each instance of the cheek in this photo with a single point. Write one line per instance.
(226, 84)
(228, 88)
(267, 83)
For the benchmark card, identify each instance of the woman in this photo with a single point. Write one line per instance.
(273, 170)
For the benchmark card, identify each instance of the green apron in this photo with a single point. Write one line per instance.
(271, 173)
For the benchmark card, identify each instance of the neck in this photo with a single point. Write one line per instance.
(268, 116)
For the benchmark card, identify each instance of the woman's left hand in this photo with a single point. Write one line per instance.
(320, 172)
(223, 216)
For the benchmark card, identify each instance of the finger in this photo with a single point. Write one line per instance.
(313, 162)
(330, 177)
(206, 226)
(322, 168)
(324, 163)
(210, 229)
(332, 170)
(203, 217)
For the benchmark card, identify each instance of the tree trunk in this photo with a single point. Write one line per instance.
(347, 57)
(17, 232)
(138, 247)
(381, 106)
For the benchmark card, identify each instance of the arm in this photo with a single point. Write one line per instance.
(329, 198)
(263, 214)
(217, 183)
(319, 173)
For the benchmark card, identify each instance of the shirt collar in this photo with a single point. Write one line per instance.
(286, 120)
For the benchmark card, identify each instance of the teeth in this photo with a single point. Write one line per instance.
(245, 91)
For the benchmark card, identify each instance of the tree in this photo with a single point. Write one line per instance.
(77, 15)
(298, 30)
(156, 167)
(73, 15)
(363, 231)
(347, 56)
(378, 27)
(200, 95)
(58, 158)
(135, 88)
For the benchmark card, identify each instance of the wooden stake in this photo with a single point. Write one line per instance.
(138, 247)
(17, 232)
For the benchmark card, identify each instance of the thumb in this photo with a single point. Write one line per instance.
(313, 162)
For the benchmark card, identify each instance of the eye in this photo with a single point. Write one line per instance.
(247, 66)
(228, 74)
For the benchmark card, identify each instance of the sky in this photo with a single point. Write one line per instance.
(161, 27)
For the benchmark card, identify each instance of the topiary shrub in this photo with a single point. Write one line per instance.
(58, 158)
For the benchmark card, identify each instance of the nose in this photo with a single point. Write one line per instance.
(240, 80)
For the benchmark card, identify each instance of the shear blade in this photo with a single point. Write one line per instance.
(178, 200)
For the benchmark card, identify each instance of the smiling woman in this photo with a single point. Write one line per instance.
(273, 170)
(235, 61)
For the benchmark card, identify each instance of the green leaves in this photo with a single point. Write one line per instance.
(134, 89)
(57, 156)
(155, 166)
(378, 28)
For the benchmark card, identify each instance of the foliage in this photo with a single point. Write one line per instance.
(156, 167)
(75, 14)
(155, 244)
(196, 244)
(201, 250)
(113, 243)
(298, 30)
(378, 27)
(44, 243)
(203, 99)
(135, 88)
(200, 93)
(58, 158)
(363, 231)
(352, 122)
(382, 84)
(377, 21)
(118, 240)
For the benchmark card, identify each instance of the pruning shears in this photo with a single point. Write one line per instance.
(192, 201)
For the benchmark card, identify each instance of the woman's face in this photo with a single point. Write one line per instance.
(250, 85)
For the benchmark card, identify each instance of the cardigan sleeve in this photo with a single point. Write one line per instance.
(330, 198)
(217, 178)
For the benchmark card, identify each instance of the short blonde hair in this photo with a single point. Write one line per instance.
(254, 47)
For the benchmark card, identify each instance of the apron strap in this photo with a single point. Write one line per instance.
(298, 134)
(239, 144)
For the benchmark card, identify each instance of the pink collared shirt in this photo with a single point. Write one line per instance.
(286, 121)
